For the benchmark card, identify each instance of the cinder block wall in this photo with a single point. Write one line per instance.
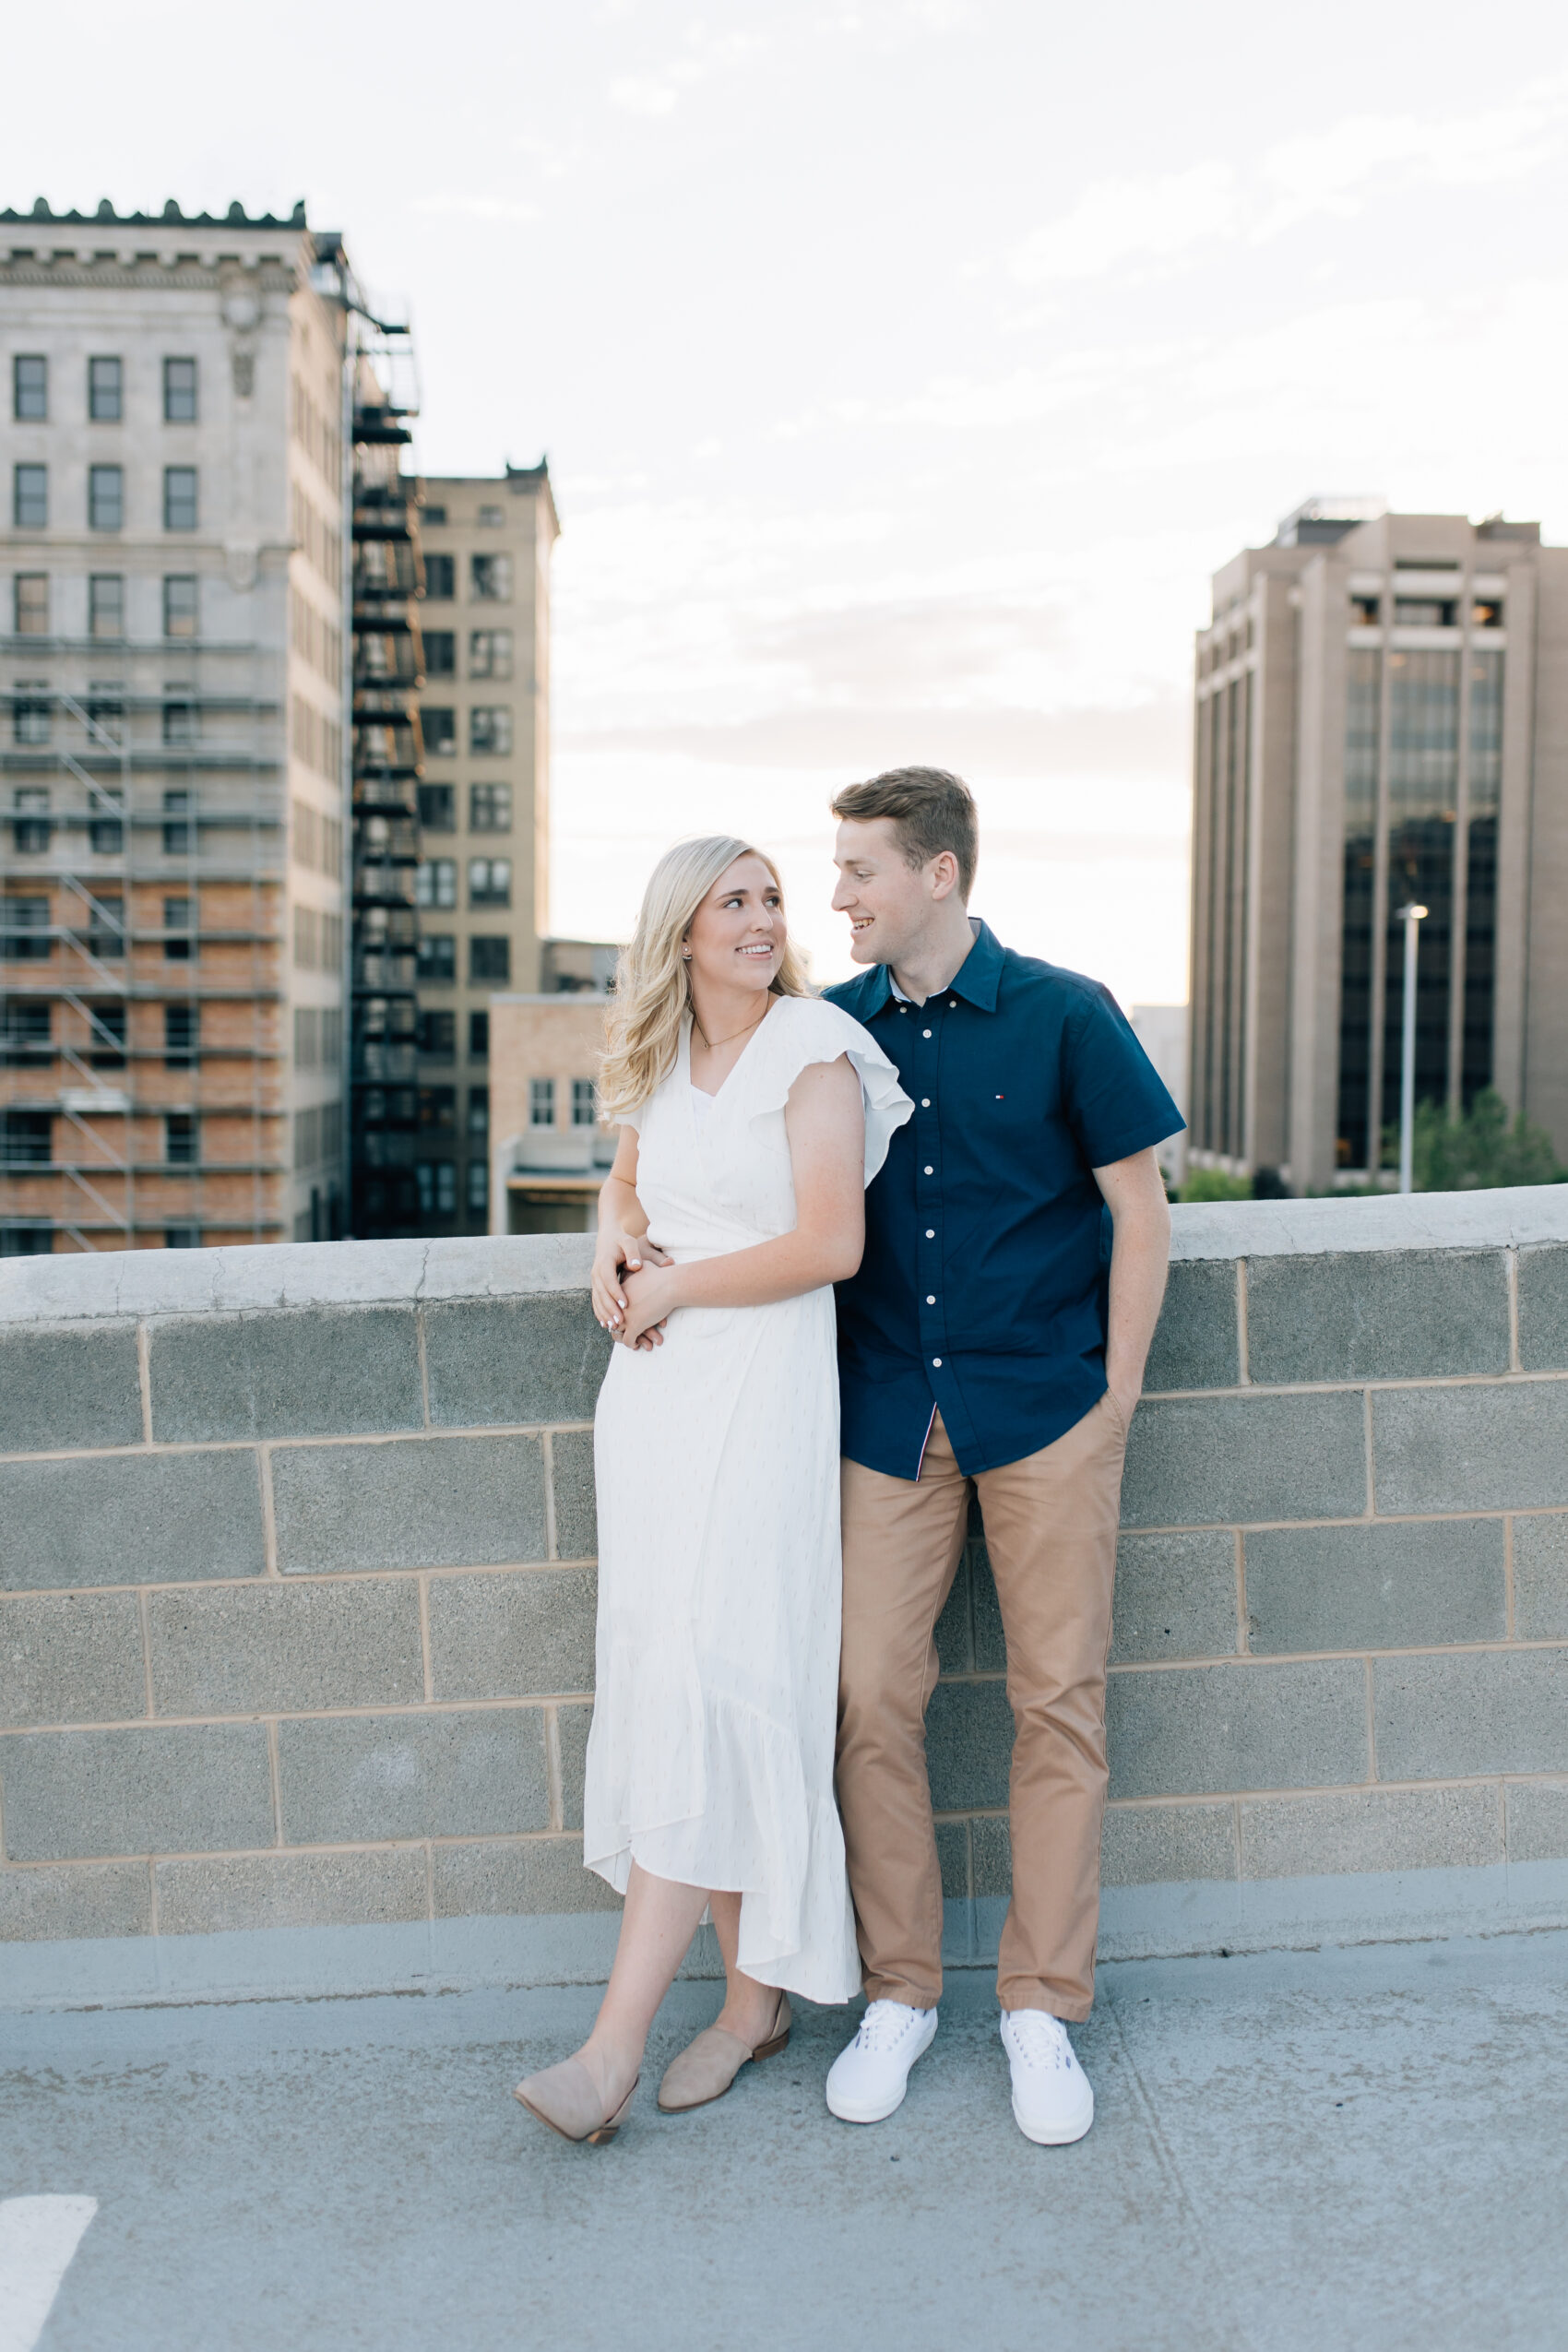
(297, 1593)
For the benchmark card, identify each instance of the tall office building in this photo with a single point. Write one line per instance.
(172, 631)
(1382, 718)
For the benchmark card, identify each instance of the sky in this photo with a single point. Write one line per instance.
(905, 369)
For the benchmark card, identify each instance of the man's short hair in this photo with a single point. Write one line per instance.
(930, 810)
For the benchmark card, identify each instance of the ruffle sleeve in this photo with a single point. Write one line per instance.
(807, 1029)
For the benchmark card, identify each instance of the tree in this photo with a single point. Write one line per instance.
(1474, 1153)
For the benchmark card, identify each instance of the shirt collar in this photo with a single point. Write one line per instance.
(976, 979)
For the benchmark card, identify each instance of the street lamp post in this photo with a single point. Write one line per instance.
(1412, 918)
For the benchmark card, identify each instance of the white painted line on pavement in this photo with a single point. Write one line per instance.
(37, 2238)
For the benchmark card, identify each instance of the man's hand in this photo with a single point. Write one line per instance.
(651, 1297)
(617, 1255)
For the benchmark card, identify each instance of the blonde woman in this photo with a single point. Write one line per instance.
(751, 1117)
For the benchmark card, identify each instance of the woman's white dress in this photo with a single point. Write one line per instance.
(710, 1758)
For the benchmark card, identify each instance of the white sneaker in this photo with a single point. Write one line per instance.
(1052, 2099)
(866, 2081)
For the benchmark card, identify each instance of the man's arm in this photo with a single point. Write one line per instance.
(1134, 1191)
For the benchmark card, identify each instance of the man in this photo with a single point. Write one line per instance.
(982, 1346)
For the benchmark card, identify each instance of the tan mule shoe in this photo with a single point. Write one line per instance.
(707, 2067)
(564, 2097)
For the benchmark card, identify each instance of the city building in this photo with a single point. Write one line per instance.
(1161, 1030)
(1381, 719)
(172, 707)
(548, 1154)
(483, 812)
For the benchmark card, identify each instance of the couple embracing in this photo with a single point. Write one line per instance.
(961, 1141)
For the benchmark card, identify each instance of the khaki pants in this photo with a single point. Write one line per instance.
(1051, 1525)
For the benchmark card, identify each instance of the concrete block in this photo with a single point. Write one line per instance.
(1537, 1820)
(1394, 1314)
(1401, 1583)
(67, 1900)
(65, 1386)
(968, 1745)
(572, 1725)
(1175, 1597)
(271, 1648)
(361, 1776)
(991, 1842)
(1194, 1343)
(1514, 1215)
(249, 1890)
(512, 1633)
(953, 1860)
(322, 1372)
(1543, 1310)
(513, 1360)
(576, 1520)
(955, 1636)
(1370, 1829)
(1203, 1731)
(130, 1519)
(420, 1503)
(500, 1878)
(1158, 1845)
(1471, 1449)
(1457, 1716)
(1540, 1578)
(158, 1790)
(70, 1657)
(1218, 1460)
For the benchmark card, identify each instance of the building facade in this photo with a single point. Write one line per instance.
(1381, 718)
(172, 636)
(483, 810)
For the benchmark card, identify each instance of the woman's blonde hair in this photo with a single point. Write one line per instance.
(652, 989)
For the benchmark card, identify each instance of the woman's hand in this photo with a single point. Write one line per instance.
(618, 1254)
(651, 1296)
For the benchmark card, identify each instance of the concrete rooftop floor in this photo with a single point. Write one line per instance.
(1299, 2152)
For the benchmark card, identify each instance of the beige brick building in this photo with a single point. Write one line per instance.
(1381, 716)
(549, 1156)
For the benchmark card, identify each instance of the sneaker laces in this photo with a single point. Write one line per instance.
(885, 2024)
(1038, 2039)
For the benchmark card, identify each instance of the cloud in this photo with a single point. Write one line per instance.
(1116, 220)
(658, 93)
(454, 205)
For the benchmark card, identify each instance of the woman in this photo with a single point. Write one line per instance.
(752, 1118)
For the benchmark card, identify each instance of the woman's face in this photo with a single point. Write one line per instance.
(737, 934)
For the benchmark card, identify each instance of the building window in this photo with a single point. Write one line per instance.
(179, 498)
(433, 515)
(541, 1102)
(31, 604)
(440, 583)
(1364, 610)
(436, 881)
(479, 1113)
(179, 391)
(182, 1237)
(438, 1036)
(106, 832)
(1481, 873)
(30, 829)
(440, 728)
(105, 498)
(105, 391)
(1486, 612)
(30, 389)
(30, 710)
(106, 605)
(27, 1241)
(179, 716)
(438, 808)
(490, 730)
(1424, 612)
(438, 1110)
(27, 1138)
(440, 653)
(30, 498)
(491, 518)
(490, 653)
(490, 960)
(585, 1110)
(179, 834)
(478, 1186)
(490, 579)
(490, 808)
(490, 882)
(26, 936)
(106, 713)
(479, 1036)
(23, 1034)
(307, 1037)
(437, 1183)
(180, 1146)
(106, 1036)
(106, 927)
(179, 604)
(179, 930)
(182, 1031)
(437, 959)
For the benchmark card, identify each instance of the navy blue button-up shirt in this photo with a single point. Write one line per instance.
(983, 1288)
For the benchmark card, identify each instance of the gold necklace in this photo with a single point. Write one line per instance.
(713, 1044)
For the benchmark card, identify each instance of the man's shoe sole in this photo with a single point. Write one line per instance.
(1063, 2139)
(881, 2114)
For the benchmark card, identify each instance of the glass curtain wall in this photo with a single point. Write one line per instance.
(1423, 794)
(1364, 696)
(1480, 853)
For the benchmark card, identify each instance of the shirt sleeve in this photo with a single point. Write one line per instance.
(1114, 1099)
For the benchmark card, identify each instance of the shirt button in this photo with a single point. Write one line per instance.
(925, 1033)
(931, 1298)
(925, 1102)
(937, 1363)
(929, 1171)
(931, 1232)
(952, 1004)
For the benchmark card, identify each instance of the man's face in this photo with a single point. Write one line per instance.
(888, 901)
